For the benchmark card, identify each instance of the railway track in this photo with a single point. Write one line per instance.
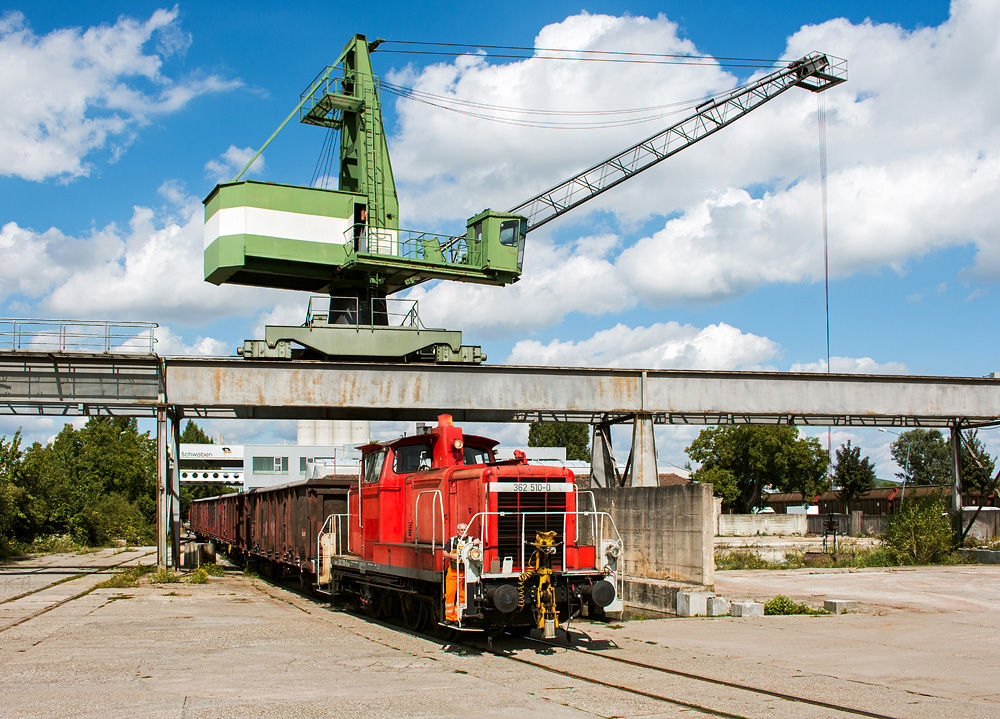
(687, 691)
(794, 700)
(64, 580)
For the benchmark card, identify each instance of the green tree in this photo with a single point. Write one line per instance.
(977, 476)
(574, 437)
(756, 458)
(96, 483)
(11, 494)
(119, 460)
(193, 434)
(924, 456)
(855, 476)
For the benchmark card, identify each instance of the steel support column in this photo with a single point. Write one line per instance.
(956, 472)
(603, 471)
(162, 505)
(174, 491)
(644, 472)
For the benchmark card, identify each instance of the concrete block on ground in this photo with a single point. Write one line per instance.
(692, 604)
(839, 606)
(747, 609)
(718, 607)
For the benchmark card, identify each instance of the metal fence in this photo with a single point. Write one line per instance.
(871, 525)
(104, 337)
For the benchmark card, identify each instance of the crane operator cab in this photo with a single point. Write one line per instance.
(501, 237)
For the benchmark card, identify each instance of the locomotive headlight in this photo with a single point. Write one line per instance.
(613, 550)
(458, 444)
(475, 554)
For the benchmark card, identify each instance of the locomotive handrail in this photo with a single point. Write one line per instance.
(597, 533)
(593, 503)
(435, 499)
(338, 521)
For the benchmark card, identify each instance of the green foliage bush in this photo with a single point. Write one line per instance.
(164, 576)
(95, 484)
(198, 576)
(920, 532)
(128, 577)
(782, 605)
(214, 570)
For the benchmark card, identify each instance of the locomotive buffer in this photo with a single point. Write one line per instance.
(348, 244)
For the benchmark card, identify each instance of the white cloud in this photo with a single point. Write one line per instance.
(232, 161)
(73, 91)
(150, 271)
(170, 343)
(451, 166)
(664, 346)
(558, 279)
(913, 148)
(851, 365)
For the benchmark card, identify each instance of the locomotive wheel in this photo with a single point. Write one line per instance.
(372, 602)
(413, 613)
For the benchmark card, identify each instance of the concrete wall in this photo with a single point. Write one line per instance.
(749, 525)
(667, 531)
(987, 525)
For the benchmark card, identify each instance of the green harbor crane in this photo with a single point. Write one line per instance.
(348, 245)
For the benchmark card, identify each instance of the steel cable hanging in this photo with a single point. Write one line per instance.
(821, 125)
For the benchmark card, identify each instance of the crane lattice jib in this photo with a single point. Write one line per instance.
(816, 72)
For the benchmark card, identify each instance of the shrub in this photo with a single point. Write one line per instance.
(920, 533)
(164, 576)
(743, 559)
(782, 605)
(127, 577)
(213, 569)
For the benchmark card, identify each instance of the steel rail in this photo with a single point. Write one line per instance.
(66, 600)
(702, 678)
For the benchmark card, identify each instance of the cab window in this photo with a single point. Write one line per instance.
(476, 455)
(509, 233)
(412, 458)
(373, 466)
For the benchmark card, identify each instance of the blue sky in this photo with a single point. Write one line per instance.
(120, 117)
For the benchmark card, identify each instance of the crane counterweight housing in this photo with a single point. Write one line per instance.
(348, 245)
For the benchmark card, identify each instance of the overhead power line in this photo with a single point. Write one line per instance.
(573, 54)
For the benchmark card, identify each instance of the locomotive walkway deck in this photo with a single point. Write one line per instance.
(241, 647)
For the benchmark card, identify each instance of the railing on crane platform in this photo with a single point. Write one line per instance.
(98, 336)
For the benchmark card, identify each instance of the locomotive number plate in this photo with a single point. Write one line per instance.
(531, 487)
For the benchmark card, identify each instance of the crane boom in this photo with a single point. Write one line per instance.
(814, 72)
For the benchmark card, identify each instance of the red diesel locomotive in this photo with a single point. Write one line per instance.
(530, 555)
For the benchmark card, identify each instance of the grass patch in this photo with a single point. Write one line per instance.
(782, 605)
(128, 577)
(51, 544)
(198, 576)
(744, 559)
(164, 576)
(214, 570)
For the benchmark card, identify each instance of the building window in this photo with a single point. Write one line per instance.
(302, 465)
(270, 465)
